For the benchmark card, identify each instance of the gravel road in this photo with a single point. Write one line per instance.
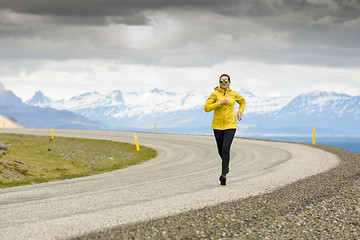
(325, 206)
(182, 178)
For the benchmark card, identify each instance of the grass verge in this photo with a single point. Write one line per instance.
(35, 159)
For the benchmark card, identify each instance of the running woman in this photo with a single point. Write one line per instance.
(224, 125)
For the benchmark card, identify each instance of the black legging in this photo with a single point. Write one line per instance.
(224, 139)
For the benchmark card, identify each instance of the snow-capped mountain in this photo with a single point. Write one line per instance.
(39, 100)
(41, 117)
(118, 104)
(125, 110)
(331, 112)
(8, 98)
(320, 104)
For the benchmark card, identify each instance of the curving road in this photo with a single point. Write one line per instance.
(182, 177)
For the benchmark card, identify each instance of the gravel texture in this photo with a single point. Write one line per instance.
(324, 206)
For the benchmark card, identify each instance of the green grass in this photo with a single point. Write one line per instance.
(35, 159)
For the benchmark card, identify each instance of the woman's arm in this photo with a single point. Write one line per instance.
(211, 103)
(241, 101)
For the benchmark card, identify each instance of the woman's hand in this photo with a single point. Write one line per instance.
(224, 101)
(239, 116)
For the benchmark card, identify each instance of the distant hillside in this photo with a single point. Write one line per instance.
(9, 122)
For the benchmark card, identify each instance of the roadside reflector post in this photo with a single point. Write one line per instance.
(52, 133)
(137, 142)
(154, 127)
(313, 135)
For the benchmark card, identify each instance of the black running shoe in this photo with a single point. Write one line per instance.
(222, 180)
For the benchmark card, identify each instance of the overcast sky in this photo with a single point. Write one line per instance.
(269, 47)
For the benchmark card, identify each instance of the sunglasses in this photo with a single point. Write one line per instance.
(224, 81)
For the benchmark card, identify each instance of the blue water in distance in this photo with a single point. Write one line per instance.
(347, 143)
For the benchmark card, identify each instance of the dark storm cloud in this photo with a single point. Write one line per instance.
(342, 9)
(94, 11)
(323, 32)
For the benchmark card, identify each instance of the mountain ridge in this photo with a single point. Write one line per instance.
(333, 113)
(41, 117)
(183, 113)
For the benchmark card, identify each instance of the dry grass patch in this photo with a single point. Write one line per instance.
(34, 159)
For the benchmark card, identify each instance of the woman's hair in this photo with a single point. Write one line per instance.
(225, 76)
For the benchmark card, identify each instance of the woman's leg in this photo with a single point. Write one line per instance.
(219, 137)
(226, 144)
(224, 139)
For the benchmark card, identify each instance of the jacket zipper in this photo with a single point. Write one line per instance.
(224, 113)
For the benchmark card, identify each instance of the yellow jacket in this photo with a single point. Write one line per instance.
(224, 115)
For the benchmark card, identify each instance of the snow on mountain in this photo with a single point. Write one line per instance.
(40, 115)
(321, 103)
(183, 112)
(8, 98)
(264, 105)
(332, 112)
(117, 104)
(39, 100)
(123, 110)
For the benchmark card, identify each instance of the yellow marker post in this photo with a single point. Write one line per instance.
(137, 142)
(154, 127)
(3, 124)
(52, 133)
(313, 135)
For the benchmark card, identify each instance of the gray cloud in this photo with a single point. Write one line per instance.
(95, 11)
(183, 33)
(342, 10)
